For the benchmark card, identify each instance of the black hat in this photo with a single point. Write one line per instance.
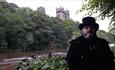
(88, 21)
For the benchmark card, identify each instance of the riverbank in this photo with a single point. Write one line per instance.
(8, 55)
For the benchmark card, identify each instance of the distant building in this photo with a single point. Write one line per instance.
(62, 14)
(27, 10)
(41, 10)
(13, 6)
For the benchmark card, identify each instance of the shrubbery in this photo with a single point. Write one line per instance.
(113, 49)
(44, 63)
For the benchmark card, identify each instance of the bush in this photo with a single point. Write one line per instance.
(113, 49)
(44, 63)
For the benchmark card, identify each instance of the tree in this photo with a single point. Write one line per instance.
(104, 7)
(71, 28)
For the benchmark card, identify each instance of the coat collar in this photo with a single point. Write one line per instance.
(81, 39)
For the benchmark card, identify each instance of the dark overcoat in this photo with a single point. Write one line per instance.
(90, 55)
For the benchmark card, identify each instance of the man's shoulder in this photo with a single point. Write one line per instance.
(101, 40)
(76, 40)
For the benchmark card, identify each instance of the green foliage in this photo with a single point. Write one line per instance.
(44, 63)
(113, 49)
(104, 7)
(69, 27)
(106, 35)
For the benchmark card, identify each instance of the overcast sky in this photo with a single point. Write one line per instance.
(51, 5)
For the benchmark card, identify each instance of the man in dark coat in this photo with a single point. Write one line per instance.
(89, 52)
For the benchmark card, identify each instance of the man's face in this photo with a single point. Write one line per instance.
(88, 31)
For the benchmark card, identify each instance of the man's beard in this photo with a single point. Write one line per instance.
(87, 35)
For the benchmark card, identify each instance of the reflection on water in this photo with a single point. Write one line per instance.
(6, 67)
